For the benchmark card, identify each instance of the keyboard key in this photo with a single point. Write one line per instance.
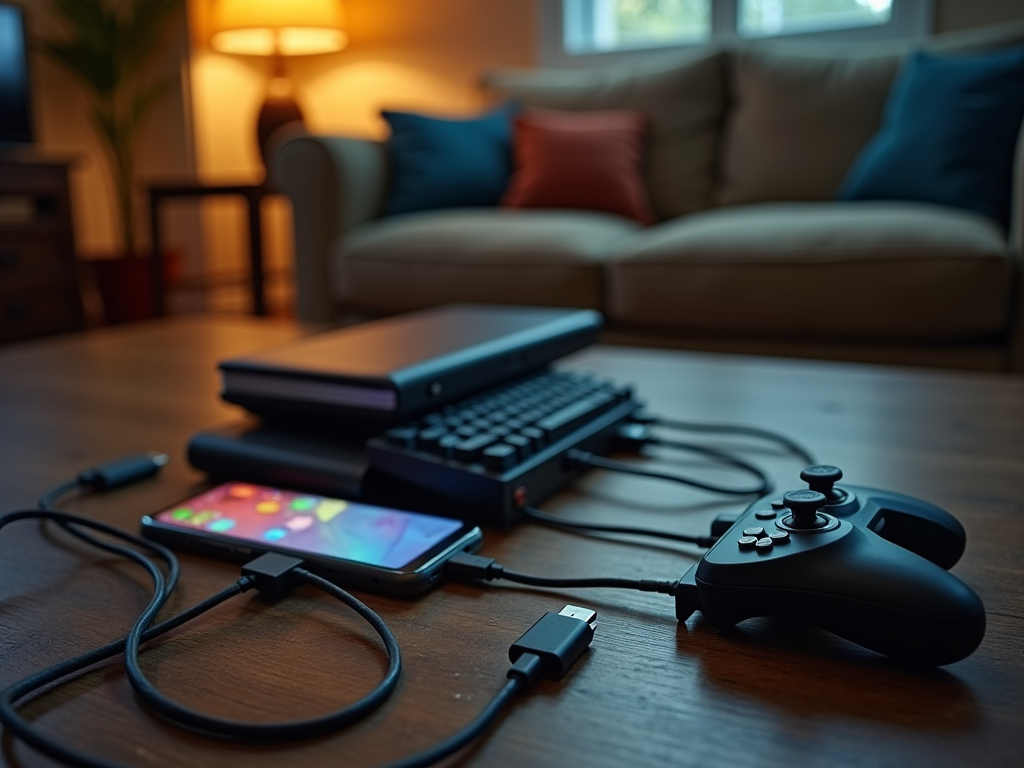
(499, 457)
(534, 435)
(468, 451)
(428, 438)
(446, 445)
(402, 436)
(560, 423)
(523, 445)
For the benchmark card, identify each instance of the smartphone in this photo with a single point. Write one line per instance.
(356, 545)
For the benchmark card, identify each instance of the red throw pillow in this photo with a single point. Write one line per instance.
(587, 160)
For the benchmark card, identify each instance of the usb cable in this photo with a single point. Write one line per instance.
(548, 649)
(464, 566)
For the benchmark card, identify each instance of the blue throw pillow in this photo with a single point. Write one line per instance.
(438, 163)
(948, 134)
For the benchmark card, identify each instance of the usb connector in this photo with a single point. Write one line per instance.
(583, 614)
(552, 645)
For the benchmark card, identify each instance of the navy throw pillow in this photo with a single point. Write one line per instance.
(948, 134)
(440, 163)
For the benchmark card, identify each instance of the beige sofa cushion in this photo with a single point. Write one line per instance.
(800, 113)
(551, 258)
(854, 270)
(682, 96)
(798, 122)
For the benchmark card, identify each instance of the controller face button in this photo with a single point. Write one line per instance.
(766, 514)
(779, 537)
(764, 544)
(778, 504)
(747, 542)
(757, 532)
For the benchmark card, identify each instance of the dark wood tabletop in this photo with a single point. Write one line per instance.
(650, 691)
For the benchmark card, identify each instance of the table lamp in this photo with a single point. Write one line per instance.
(277, 28)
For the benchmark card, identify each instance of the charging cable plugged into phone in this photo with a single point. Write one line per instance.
(547, 650)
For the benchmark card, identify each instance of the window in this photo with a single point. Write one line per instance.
(580, 31)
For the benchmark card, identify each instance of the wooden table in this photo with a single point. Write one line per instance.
(649, 692)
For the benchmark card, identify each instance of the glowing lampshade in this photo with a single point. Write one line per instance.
(278, 27)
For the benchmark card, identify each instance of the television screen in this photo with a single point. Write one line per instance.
(15, 105)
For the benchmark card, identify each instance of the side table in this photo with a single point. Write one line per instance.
(253, 195)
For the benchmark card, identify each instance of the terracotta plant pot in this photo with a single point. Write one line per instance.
(125, 285)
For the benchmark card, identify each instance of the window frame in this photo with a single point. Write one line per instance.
(910, 20)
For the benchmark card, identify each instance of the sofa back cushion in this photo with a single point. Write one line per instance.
(797, 122)
(682, 97)
(799, 114)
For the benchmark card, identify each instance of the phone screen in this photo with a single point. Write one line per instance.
(376, 536)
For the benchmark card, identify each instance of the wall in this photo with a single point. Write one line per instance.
(404, 54)
(951, 15)
(61, 111)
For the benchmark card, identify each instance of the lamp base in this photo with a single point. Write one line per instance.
(276, 112)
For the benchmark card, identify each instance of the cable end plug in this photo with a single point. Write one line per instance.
(272, 574)
(551, 646)
(123, 471)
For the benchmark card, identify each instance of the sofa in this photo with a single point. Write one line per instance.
(750, 252)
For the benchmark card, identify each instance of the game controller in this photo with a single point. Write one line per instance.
(865, 564)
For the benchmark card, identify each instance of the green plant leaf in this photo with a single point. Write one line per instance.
(106, 44)
(144, 29)
(148, 97)
(96, 71)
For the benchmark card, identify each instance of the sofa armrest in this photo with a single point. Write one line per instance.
(1016, 340)
(334, 184)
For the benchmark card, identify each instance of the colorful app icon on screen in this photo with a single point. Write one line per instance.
(299, 523)
(330, 509)
(274, 534)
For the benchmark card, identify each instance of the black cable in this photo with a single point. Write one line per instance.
(267, 731)
(112, 474)
(548, 649)
(542, 517)
(465, 566)
(590, 460)
(728, 429)
(139, 633)
(468, 734)
(9, 716)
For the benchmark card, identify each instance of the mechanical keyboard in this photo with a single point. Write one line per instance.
(505, 447)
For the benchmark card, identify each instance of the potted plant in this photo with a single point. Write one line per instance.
(107, 46)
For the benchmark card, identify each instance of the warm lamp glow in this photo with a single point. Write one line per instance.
(284, 27)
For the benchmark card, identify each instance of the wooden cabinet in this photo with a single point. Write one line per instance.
(39, 289)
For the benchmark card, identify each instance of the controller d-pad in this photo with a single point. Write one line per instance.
(747, 542)
(756, 532)
(764, 544)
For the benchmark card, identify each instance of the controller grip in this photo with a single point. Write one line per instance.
(923, 528)
(868, 591)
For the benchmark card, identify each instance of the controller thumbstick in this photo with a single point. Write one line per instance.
(804, 506)
(821, 478)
